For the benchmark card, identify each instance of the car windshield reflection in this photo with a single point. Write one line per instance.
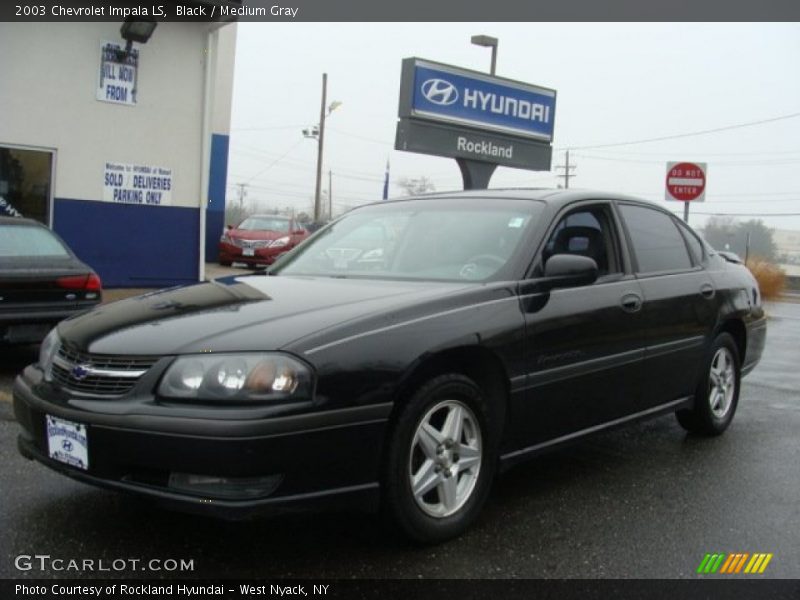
(440, 240)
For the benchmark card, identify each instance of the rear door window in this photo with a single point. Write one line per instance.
(694, 243)
(657, 243)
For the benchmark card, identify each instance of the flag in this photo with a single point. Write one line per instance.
(386, 182)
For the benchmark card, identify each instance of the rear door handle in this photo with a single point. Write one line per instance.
(631, 302)
(707, 290)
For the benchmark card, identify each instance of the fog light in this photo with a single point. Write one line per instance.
(225, 487)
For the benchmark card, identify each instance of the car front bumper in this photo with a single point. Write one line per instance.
(261, 256)
(320, 459)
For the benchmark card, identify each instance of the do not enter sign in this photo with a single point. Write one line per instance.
(686, 182)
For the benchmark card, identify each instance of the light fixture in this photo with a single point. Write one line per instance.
(333, 106)
(137, 30)
(487, 41)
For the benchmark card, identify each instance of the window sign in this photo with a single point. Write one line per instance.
(118, 72)
(137, 184)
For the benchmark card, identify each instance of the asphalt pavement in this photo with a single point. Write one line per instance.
(648, 501)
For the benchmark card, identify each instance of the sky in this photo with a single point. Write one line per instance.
(616, 83)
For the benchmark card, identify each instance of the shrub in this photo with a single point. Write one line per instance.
(771, 278)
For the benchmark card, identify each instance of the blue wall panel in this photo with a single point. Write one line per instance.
(217, 183)
(132, 245)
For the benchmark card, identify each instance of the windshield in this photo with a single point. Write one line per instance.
(29, 240)
(451, 240)
(264, 224)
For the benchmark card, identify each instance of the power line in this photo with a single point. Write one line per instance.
(718, 163)
(688, 134)
(274, 162)
(254, 154)
(362, 137)
(268, 128)
(706, 154)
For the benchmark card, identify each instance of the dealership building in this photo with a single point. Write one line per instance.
(120, 144)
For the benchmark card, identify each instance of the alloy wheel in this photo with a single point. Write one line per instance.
(721, 383)
(445, 458)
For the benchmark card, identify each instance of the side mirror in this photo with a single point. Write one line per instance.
(229, 226)
(569, 270)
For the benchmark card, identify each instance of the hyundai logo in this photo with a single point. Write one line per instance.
(66, 445)
(79, 372)
(439, 91)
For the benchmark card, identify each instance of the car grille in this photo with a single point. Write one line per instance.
(98, 374)
(251, 243)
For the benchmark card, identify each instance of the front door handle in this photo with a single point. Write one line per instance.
(707, 291)
(631, 302)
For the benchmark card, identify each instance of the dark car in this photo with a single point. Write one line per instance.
(41, 281)
(497, 325)
(259, 240)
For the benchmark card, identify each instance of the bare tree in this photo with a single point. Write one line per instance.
(415, 186)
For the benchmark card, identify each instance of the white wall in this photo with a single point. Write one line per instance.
(223, 78)
(48, 77)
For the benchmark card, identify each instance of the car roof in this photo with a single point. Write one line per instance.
(551, 196)
(279, 217)
(555, 198)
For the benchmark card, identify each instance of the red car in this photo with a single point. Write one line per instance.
(259, 240)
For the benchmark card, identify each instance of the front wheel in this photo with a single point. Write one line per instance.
(717, 394)
(441, 460)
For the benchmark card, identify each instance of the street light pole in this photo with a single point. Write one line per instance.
(320, 145)
(477, 173)
(488, 42)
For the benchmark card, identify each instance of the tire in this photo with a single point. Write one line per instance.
(452, 471)
(225, 263)
(717, 393)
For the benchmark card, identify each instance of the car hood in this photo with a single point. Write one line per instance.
(250, 313)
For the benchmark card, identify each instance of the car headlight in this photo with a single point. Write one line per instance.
(237, 377)
(47, 351)
(280, 242)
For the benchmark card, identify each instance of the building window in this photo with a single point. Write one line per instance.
(25, 183)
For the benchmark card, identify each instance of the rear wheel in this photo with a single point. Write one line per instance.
(225, 263)
(441, 460)
(717, 394)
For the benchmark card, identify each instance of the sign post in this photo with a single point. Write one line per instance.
(686, 182)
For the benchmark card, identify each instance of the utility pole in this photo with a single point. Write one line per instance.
(330, 194)
(242, 193)
(320, 144)
(567, 170)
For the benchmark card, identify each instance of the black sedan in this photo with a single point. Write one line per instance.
(41, 281)
(492, 326)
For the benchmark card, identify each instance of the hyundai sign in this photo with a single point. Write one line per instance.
(448, 94)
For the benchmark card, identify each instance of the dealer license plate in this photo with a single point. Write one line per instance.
(248, 252)
(67, 442)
